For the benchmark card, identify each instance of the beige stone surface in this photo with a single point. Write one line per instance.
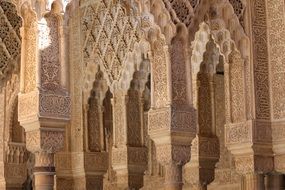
(142, 94)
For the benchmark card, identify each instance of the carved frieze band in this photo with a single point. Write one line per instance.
(159, 119)
(45, 105)
(238, 133)
(54, 106)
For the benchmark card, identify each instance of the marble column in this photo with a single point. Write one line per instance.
(253, 181)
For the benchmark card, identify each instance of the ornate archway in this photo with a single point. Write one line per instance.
(162, 27)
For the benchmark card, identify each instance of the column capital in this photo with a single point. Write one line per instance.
(250, 144)
(49, 140)
(178, 124)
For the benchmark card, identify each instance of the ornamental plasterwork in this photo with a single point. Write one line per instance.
(239, 9)
(111, 31)
(180, 10)
(10, 40)
(109, 35)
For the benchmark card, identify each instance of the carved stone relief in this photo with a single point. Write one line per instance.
(10, 39)
(115, 136)
(260, 54)
(103, 25)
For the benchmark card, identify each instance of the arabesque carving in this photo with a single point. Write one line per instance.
(160, 94)
(10, 39)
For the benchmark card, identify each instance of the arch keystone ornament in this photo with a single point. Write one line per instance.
(44, 102)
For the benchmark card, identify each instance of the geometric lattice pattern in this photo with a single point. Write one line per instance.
(10, 41)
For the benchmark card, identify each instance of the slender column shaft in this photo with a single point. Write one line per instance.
(275, 182)
(253, 182)
(173, 177)
(119, 150)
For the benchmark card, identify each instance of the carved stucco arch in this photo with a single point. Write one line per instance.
(222, 20)
(154, 17)
(222, 29)
(166, 17)
(221, 38)
(221, 17)
(132, 61)
(135, 61)
(229, 34)
(162, 18)
(227, 48)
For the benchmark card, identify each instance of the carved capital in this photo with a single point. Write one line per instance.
(206, 154)
(279, 163)
(250, 164)
(179, 154)
(159, 120)
(44, 159)
(45, 140)
(209, 148)
(16, 153)
(15, 173)
(96, 162)
(173, 122)
(137, 156)
(237, 133)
